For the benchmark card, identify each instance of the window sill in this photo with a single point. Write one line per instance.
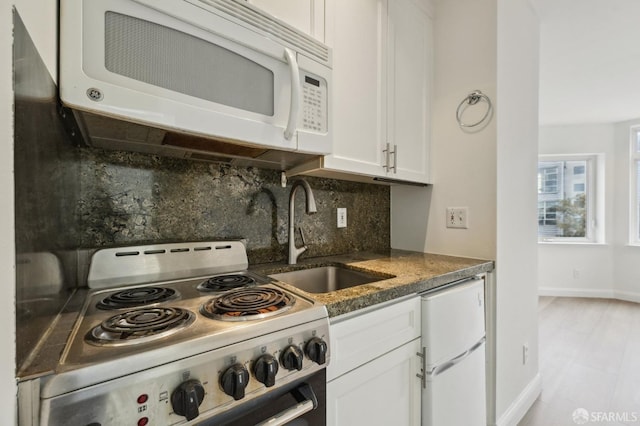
(573, 243)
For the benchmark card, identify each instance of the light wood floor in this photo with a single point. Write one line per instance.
(589, 359)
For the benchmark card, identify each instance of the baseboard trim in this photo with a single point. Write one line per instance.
(629, 296)
(576, 292)
(522, 403)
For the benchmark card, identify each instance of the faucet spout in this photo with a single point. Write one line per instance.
(295, 251)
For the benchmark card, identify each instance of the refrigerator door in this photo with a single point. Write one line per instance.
(456, 396)
(452, 321)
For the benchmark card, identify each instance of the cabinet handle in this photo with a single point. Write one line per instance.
(423, 370)
(386, 156)
(388, 153)
(395, 158)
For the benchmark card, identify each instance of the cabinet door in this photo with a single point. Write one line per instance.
(409, 83)
(356, 30)
(385, 391)
(356, 340)
(305, 15)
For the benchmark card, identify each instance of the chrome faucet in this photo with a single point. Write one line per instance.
(294, 251)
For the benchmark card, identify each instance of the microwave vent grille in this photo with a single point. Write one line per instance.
(167, 58)
(255, 18)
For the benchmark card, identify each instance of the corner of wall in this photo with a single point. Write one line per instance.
(521, 404)
(516, 258)
(7, 255)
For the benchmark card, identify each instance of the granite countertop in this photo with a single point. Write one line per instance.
(413, 272)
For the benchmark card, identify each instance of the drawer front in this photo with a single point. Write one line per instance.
(356, 340)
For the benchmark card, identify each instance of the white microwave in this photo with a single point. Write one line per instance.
(219, 69)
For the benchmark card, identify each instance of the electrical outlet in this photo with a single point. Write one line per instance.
(525, 354)
(342, 217)
(457, 217)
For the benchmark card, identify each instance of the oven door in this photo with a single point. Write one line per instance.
(302, 403)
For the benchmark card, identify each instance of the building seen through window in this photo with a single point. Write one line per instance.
(563, 187)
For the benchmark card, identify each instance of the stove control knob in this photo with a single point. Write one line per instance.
(316, 350)
(265, 369)
(291, 358)
(187, 398)
(234, 381)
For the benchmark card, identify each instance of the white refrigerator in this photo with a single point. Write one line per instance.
(453, 351)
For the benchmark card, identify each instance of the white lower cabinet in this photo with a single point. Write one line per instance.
(385, 391)
(373, 372)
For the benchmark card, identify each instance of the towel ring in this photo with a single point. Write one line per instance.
(472, 99)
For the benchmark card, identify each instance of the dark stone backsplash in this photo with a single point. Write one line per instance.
(69, 198)
(129, 198)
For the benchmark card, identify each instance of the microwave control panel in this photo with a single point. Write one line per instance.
(314, 104)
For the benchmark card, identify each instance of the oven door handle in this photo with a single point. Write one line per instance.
(307, 401)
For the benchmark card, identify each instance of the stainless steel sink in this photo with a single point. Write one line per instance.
(325, 279)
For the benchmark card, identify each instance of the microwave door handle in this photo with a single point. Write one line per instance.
(295, 94)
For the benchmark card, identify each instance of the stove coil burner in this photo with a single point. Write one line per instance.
(135, 297)
(246, 304)
(226, 282)
(140, 325)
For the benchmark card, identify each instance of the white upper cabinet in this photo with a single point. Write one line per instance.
(409, 59)
(356, 32)
(382, 73)
(305, 15)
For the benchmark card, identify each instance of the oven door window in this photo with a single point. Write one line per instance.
(279, 401)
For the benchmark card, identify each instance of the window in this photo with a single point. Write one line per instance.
(547, 212)
(548, 179)
(566, 198)
(635, 187)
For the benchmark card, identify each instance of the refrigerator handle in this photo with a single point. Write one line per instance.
(423, 372)
(447, 365)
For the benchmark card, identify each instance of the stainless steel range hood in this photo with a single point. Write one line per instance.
(109, 133)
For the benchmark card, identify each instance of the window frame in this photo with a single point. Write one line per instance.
(592, 164)
(634, 196)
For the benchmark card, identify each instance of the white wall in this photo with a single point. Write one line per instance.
(626, 267)
(463, 164)
(609, 269)
(491, 45)
(7, 254)
(40, 19)
(581, 269)
(518, 384)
